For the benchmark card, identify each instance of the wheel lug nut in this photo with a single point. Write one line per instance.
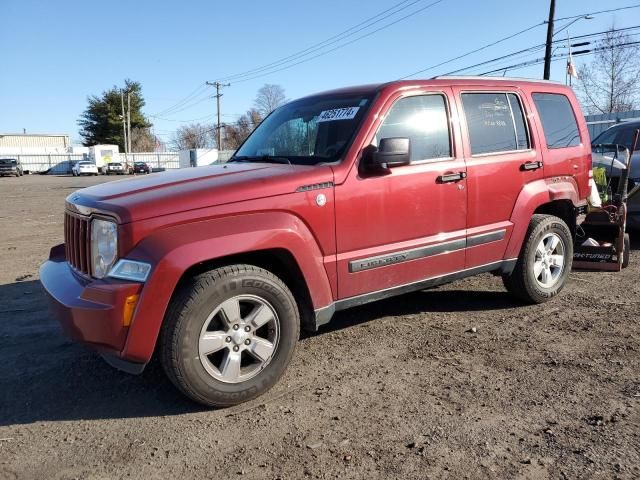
(247, 341)
(236, 348)
(247, 328)
(228, 339)
(236, 326)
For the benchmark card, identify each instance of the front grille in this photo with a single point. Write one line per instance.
(77, 241)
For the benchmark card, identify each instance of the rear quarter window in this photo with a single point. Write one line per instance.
(558, 120)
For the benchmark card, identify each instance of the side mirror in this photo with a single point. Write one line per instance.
(391, 152)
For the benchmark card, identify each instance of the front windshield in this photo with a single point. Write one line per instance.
(307, 131)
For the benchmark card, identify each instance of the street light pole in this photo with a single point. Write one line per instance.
(128, 124)
(124, 123)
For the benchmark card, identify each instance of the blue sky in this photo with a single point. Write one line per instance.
(56, 53)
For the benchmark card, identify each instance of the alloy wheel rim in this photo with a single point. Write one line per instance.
(239, 338)
(549, 260)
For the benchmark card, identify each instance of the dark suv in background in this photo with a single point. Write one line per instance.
(141, 167)
(621, 134)
(10, 166)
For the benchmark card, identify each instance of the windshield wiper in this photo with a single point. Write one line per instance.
(261, 158)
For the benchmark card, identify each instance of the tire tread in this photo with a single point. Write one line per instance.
(177, 314)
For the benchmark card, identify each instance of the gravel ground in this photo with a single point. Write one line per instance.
(397, 389)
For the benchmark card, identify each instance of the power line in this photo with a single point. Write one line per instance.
(368, 34)
(486, 62)
(560, 56)
(199, 119)
(329, 41)
(471, 52)
(198, 99)
(509, 37)
(181, 101)
(600, 11)
(195, 97)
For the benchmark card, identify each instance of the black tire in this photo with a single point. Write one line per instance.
(626, 251)
(194, 302)
(522, 282)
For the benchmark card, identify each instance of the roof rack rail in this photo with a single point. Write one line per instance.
(487, 77)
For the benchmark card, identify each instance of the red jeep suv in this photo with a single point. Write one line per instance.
(335, 200)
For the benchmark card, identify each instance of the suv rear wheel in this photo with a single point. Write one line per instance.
(544, 262)
(229, 335)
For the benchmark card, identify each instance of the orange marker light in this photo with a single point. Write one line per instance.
(129, 307)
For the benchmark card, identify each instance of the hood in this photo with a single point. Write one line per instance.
(613, 167)
(193, 188)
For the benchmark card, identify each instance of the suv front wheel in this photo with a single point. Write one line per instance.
(229, 334)
(545, 261)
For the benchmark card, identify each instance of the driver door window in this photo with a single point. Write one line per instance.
(424, 120)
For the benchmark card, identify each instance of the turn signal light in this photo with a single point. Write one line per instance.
(129, 307)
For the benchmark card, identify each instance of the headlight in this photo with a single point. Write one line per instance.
(104, 246)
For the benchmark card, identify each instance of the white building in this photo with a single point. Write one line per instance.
(34, 143)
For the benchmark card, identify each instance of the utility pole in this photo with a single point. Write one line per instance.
(128, 124)
(547, 52)
(124, 122)
(218, 86)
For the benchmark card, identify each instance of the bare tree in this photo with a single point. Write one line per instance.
(611, 83)
(142, 140)
(269, 98)
(236, 133)
(195, 135)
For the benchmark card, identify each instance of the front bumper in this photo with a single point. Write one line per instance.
(89, 311)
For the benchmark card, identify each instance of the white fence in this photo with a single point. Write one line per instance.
(157, 161)
(52, 163)
(61, 164)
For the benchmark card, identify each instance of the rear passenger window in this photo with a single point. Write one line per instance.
(423, 119)
(558, 121)
(495, 122)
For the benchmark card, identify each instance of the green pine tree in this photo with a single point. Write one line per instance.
(101, 122)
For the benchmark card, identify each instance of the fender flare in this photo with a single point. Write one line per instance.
(531, 197)
(174, 250)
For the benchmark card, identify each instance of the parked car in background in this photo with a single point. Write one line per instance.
(84, 168)
(141, 167)
(335, 200)
(10, 166)
(116, 168)
(621, 134)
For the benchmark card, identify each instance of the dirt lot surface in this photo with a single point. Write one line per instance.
(396, 389)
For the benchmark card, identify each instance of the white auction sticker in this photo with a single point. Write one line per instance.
(346, 113)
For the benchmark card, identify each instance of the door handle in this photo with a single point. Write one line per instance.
(451, 177)
(531, 166)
